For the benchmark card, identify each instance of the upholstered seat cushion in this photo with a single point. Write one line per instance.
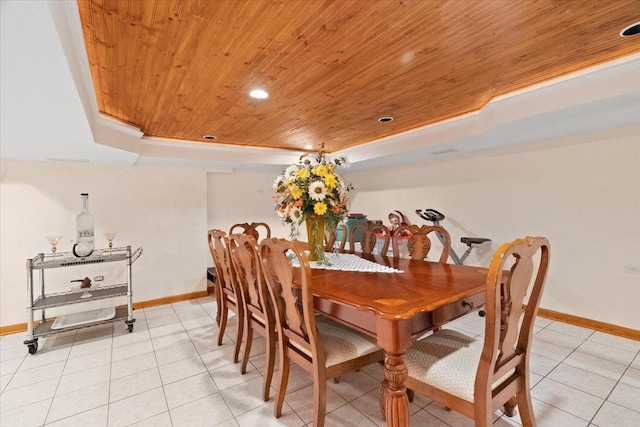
(447, 360)
(342, 343)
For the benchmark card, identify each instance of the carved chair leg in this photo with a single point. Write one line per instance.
(410, 394)
(525, 408)
(236, 352)
(218, 295)
(223, 324)
(510, 406)
(270, 355)
(282, 383)
(247, 347)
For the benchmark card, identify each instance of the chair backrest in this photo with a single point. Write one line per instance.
(419, 243)
(225, 272)
(244, 253)
(330, 237)
(292, 298)
(507, 341)
(369, 233)
(252, 229)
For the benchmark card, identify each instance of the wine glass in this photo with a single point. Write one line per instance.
(53, 240)
(110, 237)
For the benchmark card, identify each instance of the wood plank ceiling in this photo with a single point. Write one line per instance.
(182, 69)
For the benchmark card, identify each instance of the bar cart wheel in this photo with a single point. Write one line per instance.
(33, 345)
(130, 324)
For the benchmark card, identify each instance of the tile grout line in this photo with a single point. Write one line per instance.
(55, 392)
(556, 366)
(209, 372)
(110, 378)
(590, 421)
(612, 390)
(546, 376)
(155, 356)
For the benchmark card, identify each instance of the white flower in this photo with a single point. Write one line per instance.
(342, 188)
(277, 182)
(295, 214)
(317, 191)
(290, 172)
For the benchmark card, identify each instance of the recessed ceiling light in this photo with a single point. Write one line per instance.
(631, 30)
(407, 57)
(385, 119)
(209, 137)
(308, 146)
(259, 94)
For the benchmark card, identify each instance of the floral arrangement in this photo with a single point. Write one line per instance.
(312, 187)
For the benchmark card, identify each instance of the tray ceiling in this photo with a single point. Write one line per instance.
(183, 69)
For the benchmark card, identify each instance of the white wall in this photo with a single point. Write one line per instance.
(161, 209)
(583, 193)
(242, 196)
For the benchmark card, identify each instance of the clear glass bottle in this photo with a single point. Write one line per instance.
(85, 239)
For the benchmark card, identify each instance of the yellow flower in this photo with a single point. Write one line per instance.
(296, 192)
(320, 208)
(302, 173)
(321, 170)
(330, 181)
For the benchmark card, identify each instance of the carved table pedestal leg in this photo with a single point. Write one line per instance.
(394, 403)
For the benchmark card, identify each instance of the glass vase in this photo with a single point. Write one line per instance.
(315, 235)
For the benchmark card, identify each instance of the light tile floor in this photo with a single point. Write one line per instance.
(170, 372)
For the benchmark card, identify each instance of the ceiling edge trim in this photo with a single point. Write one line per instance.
(191, 150)
(593, 84)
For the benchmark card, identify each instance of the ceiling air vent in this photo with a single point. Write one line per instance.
(444, 151)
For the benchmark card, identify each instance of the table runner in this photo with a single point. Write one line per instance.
(348, 262)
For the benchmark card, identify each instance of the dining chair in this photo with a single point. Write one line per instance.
(369, 234)
(418, 241)
(216, 285)
(331, 237)
(258, 312)
(320, 346)
(230, 296)
(476, 376)
(252, 229)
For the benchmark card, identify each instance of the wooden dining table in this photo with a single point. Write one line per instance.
(397, 308)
